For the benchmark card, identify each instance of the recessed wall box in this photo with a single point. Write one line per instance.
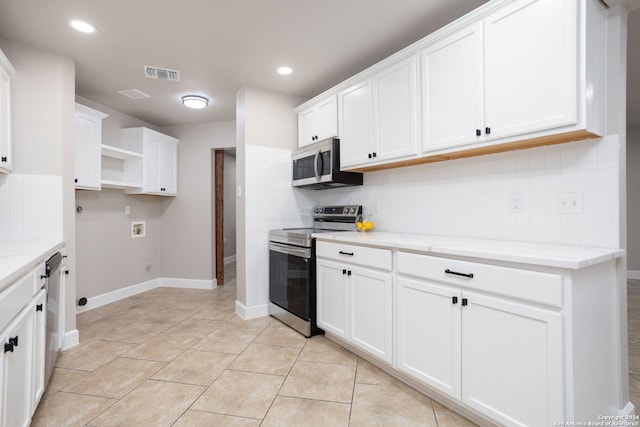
(137, 229)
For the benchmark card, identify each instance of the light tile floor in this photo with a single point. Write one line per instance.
(182, 357)
(633, 316)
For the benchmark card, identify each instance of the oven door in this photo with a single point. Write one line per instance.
(291, 278)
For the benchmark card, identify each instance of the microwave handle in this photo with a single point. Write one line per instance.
(315, 164)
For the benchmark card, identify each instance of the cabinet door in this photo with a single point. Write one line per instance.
(452, 90)
(356, 125)
(152, 161)
(6, 70)
(327, 118)
(396, 111)
(168, 168)
(512, 361)
(39, 348)
(332, 297)
(531, 81)
(306, 127)
(428, 330)
(88, 142)
(370, 311)
(17, 366)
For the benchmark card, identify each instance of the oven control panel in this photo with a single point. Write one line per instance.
(337, 211)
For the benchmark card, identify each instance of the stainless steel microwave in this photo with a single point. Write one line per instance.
(317, 166)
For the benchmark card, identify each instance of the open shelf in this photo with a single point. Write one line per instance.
(120, 184)
(119, 153)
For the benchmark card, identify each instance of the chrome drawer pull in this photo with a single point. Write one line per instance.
(469, 275)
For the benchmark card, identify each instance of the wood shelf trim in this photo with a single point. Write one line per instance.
(560, 138)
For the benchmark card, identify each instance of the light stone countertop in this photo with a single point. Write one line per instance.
(571, 257)
(18, 257)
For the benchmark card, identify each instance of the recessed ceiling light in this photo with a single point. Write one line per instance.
(83, 27)
(195, 101)
(285, 71)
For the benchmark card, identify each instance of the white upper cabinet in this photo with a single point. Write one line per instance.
(514, 73)
(395, 107)
(159, 161)
(378, 117)
(452, 90)
(530, 54)
(318, 122)
(6, 72)
(88, 147)
(356, 124)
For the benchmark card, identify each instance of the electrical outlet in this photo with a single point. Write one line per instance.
(127, 210)
(570, 203)
(515, 203)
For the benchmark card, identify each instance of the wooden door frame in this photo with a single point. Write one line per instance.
(219, 215)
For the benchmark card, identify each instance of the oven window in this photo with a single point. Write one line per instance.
(290, 283)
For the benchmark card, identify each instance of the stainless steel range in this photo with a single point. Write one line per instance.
(292, 266)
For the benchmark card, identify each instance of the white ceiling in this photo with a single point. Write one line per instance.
(221, 45)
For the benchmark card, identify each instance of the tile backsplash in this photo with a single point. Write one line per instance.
(473, 197)
(30, 207)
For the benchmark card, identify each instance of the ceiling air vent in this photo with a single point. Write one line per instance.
(134, 94)
(152, 72)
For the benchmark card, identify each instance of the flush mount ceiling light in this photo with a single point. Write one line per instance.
(285, 71)
(195, 101)
(83, 27)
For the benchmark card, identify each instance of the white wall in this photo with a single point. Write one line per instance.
(267, 200)
(633, 201)
(42, 107)
(187, 245)
(108, 258)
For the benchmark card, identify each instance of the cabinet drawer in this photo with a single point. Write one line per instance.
(528, 285)
(15, 297)
(353, 254)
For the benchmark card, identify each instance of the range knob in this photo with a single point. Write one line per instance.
(352, 211)
(345, 210)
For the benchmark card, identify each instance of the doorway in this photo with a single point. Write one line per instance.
(224, 213)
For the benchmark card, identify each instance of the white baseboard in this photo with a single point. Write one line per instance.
(71, 339)
(167, 282)
(118, 294)
(629, 409)
(633, 274)
(230, 259)
(251, 312)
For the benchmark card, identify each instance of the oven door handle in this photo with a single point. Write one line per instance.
(290, 250)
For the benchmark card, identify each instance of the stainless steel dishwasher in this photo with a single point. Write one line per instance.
(53, 314)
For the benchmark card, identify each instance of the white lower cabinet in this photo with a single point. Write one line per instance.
(332, 298)
(22, 348)
(511, 361)
(17, 342)
(428, 327)
(487, 351)
(354, 302)
(39, 347)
